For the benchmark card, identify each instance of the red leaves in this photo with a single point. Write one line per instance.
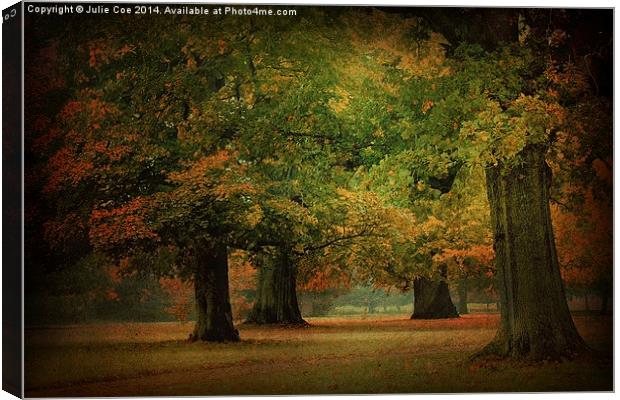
(66, 170)
(123, 224)
(328, 278)
(90, 108)
(71, 110)
(584, 239)
(58, 232)
(101, 52)
(181, 294)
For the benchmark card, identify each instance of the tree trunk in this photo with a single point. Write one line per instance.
(432, 298)
(276, 300)
(462, 289)
(214, 314)
(535, 320)
(371, 307)
(586, 302)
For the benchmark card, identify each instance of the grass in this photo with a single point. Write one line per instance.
(378, 354)
(359, 311)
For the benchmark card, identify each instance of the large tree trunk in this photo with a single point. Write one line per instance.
(535, 320)
(214, 315)
(462, 289)
(432, 298)
(276, 300)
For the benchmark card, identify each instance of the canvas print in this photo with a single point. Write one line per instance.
(260, 199)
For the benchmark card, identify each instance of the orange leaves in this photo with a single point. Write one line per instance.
(111, 295)
(71, 110)
(123, 224)
(101, 52)
(57, 233)
(98, 109)
(241, 273)
(217, 177)
(181, 295)
(87, 112)
(472, 260)
(66, 170)
(584, 238)
(426, 106)
(108, 151)
(201, 168)
(327, 278)
(221, 46)
(95, 56)
(569, 78)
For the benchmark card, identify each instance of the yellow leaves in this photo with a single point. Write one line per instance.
(292, 211)
(269, 88)
(389, 41)
(342, 101)
(227, 190)
(432, 226)
(254, 216)
(248, 95)
(500, 133)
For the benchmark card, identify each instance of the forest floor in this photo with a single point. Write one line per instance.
(390, 354)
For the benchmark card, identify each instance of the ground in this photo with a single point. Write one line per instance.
(389, 354)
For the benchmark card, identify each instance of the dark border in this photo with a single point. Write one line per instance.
(12, 194)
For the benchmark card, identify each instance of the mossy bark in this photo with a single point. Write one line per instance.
(432, 298)
(535, 320)
(276, 295)
(214, 314)
(462, 290)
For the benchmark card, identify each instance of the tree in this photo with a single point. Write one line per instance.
(520, 128)
(276, 300)
(497, 106)
(466, 246)
(432, 298)
(154, 187)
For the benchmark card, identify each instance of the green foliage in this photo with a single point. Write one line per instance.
(348, 137)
